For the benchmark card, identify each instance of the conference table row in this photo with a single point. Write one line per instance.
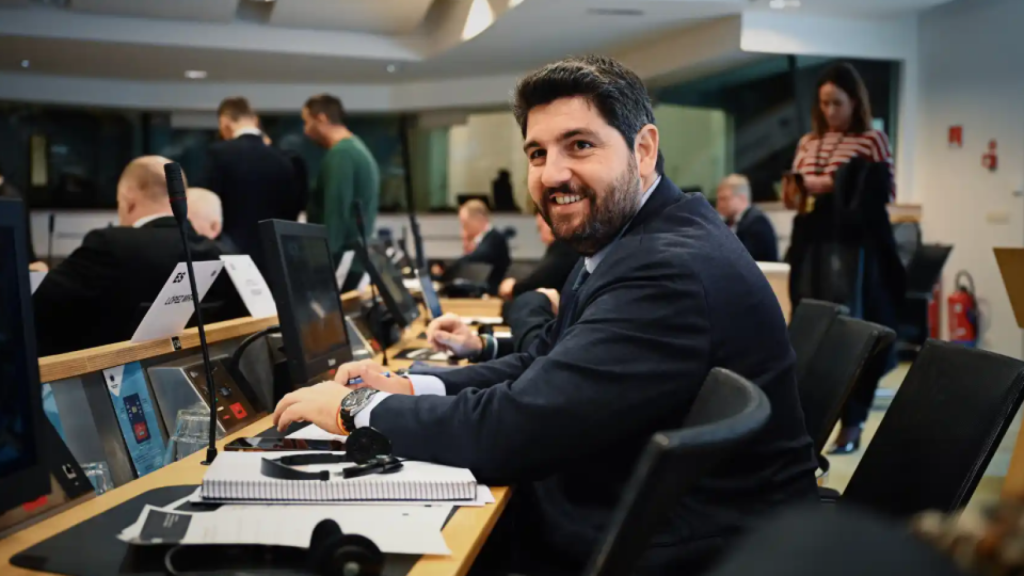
(465, 532)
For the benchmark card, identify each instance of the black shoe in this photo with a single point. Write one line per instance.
(847, 442)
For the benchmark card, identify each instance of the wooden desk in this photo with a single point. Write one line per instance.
(465, 532)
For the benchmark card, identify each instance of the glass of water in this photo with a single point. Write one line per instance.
(191, 433)
(99, 474)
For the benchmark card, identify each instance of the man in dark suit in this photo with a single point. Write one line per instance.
(749, 223)
(551, 272)
(254, 181)
(486, 245)
(101, 292)
(664, 293)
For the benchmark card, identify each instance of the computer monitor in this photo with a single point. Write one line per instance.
(301, 276)
(430, 298)
(23, 473)
(389, 281)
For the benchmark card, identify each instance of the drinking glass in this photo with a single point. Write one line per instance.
(99, 474)
(191, 433)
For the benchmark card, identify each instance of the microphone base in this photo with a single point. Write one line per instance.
(211, 455)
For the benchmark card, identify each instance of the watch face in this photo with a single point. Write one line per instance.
(356, 398)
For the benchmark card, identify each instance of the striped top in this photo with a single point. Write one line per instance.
(818, 155)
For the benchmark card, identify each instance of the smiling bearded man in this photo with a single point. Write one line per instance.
(664, 294)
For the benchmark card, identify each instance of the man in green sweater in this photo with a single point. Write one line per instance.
(348, 174)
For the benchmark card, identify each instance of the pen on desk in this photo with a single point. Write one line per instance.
(359, 379)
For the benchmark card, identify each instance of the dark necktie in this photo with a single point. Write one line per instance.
(584, 274)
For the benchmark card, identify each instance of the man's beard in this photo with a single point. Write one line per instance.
(609, 212)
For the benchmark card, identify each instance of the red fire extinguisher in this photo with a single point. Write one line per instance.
(963, 312)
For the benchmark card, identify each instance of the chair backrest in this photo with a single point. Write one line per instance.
(835, 369)
(728, 411)
(940, 431)
(810, 321)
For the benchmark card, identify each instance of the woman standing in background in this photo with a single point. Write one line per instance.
(843, 248)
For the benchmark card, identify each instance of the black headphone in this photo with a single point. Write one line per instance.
(331, 553)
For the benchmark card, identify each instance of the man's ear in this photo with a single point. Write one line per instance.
(215, 229)
(645, 147)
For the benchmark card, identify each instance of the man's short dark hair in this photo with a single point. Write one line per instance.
(616, 91)
(235, 108)
(328, 105)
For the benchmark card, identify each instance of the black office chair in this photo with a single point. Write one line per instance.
(466, 279)
(834, 370)
(728, 411)
(850, 542)
(810, 321)
(940, 432)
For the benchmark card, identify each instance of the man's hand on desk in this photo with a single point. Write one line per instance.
(372, 375)
(450, 334)
(553, 296)
(314, 404)
(506, 287)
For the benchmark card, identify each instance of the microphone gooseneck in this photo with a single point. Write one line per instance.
(179, 206)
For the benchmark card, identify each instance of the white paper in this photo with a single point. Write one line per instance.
(364, 282)
(343, 267)
(173, 307)
(502, 334)
(251, 286)
(412, 285)
(483, 319)
(484, 496)
(314, 432)
(35, 279)
(394, 529)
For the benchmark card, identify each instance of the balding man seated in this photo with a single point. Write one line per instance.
(747, 221)
(483, 243)
(206, 215)
(101, 292)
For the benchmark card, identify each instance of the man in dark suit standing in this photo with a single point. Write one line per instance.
(663, 294)
(254, 181)
(749, 223)
(101, 292)
(486, 245)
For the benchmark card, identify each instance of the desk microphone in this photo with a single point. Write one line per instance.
(179, 206)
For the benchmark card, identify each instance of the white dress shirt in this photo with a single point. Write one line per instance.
(147, 219)
(249, 131)
(424, 385)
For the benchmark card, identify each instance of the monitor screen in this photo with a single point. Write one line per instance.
(301, 274)
(429, 294)
(22, 474)
(314, 295)
(391, 281)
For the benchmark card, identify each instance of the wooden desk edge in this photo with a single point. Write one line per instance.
(62, 366)
(465, 532)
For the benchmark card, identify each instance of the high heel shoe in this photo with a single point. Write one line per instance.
(847, 441)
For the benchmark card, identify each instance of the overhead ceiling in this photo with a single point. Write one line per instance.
(348, 41)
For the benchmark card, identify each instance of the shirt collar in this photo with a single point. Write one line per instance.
(480, 236)
(249, 131)
(147, 219)
(591, 262)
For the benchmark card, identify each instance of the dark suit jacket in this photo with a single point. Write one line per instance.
(526, 315)
(94, 297)
(675, 296)
(552, 271)
(755, 231)
(255, 182)
(493, 250)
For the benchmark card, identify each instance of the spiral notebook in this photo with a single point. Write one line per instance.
(237, 476)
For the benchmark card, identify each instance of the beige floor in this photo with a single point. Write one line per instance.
(989, 487)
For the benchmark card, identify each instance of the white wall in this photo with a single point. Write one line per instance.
(486, 143)
(971, 74)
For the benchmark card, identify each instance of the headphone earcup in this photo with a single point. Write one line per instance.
(353, 555)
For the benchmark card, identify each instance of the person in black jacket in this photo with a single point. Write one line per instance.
(664, 293)
(486, 245)
(749, 223)
(101, 292)
(552, 271)
(254, 181)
